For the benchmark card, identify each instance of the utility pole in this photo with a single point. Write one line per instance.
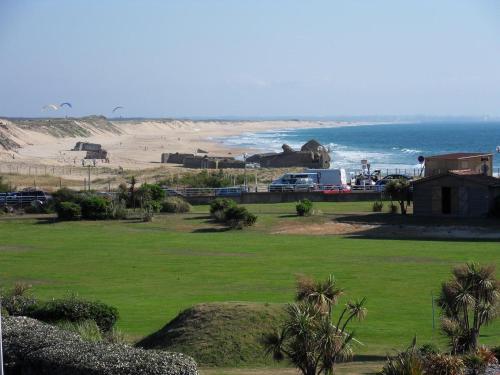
(432, 302)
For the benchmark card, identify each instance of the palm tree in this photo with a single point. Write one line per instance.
(322, 294)
(399, 190)
(468, 301)
(308, 338)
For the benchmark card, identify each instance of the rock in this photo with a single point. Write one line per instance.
(287, 149)
(312, 145)
(33, 347)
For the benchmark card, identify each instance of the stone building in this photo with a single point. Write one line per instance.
(311, 155)
(455, 194)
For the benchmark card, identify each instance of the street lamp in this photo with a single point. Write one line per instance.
(245, 156)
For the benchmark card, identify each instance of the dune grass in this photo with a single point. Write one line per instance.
(152, 271)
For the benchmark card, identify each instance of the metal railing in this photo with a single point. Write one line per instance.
(236, 191)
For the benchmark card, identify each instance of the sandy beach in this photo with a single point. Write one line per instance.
(140, 142)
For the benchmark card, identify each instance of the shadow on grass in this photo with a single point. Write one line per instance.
(204, 217)
(212, 230)
(287, 215)
(48, 220)
(409, 227)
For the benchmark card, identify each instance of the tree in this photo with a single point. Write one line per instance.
(399, 190)
(132, 182)
(468, 301)
(308, 337)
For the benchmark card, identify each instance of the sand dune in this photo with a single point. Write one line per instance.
(132, 144)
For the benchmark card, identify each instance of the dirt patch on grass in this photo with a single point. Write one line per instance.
(16, 248)
(197, 253)
(344, 228)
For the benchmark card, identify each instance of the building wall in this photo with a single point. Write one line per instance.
(435, 166)
(467, 199)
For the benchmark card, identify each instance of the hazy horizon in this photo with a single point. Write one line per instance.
(260, 59)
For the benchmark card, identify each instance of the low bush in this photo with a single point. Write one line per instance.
(175, 205)
(239, 217)
(487, 355)
(475, 364)
(444, 364)
(304, 207)
(496, 352)
(18, 301)
(393, 209)
(66, 195)
(88, 330)
(68, 211)
(408, 362)
(117, 209)
(377, 206)
(73, 309)
(95, 207)
(152, 191)
(218, 206)
(428, 349)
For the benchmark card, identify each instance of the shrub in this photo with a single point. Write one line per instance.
(377, 206)
(175, 205)
(428, 349)
(304, 207)
(475, 364)
(95, 207)
(218, 206)
(88, 330)
(68, 211)
(239, 217)
(496, 352)
(66, 195)
(444, 364)
(487, 355)
(153, 191)
(221, 204)
(73, 309)
(409, 362)
(117, 209)
(18, 300)
(393, 209)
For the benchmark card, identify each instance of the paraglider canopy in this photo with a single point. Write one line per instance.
(50, 107)
(117, 108)
(65, 104)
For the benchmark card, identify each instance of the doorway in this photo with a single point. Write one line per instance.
(446, 200)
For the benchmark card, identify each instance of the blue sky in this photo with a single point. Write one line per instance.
(182, 58)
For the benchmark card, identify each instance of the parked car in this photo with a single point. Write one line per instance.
(24, 197)
(294, 182)
(380, 184)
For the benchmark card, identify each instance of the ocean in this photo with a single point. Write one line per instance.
(385, 146)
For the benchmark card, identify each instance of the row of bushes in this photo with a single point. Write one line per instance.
(428, 360)
(19, 302)
(228, 212)
(72, 205)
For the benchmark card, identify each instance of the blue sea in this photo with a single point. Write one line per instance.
(385, 146)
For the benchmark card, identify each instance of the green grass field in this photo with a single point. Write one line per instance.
(152, 271)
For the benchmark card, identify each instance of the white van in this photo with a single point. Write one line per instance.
(327, 179)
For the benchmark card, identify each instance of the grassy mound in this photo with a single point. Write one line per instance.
(219, 334)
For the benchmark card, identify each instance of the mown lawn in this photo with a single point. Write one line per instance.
(152, 271)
